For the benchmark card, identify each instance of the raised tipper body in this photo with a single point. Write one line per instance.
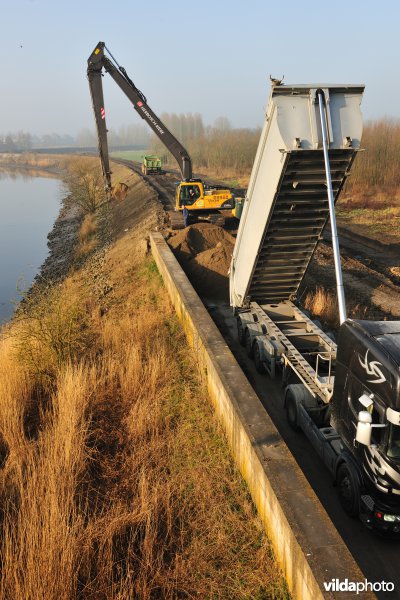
(286, 206)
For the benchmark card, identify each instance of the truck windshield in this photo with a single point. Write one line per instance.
(393, 450)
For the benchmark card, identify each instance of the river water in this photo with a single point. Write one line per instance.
(29, 205)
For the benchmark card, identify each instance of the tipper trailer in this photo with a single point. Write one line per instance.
(345, 397)
(151, 165)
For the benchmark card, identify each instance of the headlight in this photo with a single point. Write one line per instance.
(391, 518)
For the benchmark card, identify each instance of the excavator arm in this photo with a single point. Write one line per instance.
(96, 62)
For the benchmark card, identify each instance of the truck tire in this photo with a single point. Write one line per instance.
(292, 412)
(296, 395)
(257, 359)
(240, 331)
(348, 489)
(248, 344)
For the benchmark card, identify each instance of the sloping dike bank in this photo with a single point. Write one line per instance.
(117, 480)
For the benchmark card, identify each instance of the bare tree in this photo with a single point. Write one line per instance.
(84, 183)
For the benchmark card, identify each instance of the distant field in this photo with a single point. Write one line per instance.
(135, 155)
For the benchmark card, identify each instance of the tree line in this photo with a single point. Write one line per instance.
(379, 164)
(222, 148)
(23, 141)
(218, 147)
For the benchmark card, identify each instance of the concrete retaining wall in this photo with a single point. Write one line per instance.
(307, 545)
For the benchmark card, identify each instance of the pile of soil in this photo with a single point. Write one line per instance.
(204, 252)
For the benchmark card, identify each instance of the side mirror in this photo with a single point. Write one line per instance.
(393, 416)
(364, 428)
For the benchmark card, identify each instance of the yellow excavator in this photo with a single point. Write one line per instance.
(202, 201)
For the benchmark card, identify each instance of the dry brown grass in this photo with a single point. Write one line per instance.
(125, 487)
(87, 240)
(378, 165)
(87, 228)
(323, 305)
(372, 200)
(42, 527)
(15, 393)
(30, 158)
(52, 328)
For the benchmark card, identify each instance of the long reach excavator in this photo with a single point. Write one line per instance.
(202, 201)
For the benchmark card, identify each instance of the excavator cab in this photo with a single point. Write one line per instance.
(188, 194)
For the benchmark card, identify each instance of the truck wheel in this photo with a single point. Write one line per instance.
(248, 344)
(240, 331)
(292, 414)
(348, 489)
(257, 359)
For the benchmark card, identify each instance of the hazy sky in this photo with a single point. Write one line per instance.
(210, 56)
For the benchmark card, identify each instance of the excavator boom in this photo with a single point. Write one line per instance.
(96, 62)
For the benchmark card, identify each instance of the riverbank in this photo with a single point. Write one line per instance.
(28, 160)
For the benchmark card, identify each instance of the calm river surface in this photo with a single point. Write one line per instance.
(29, 206)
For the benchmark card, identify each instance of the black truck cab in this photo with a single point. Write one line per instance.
(367, 380)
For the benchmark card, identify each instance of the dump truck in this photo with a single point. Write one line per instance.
(203, 201)
(151, 165)
(344, 396)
